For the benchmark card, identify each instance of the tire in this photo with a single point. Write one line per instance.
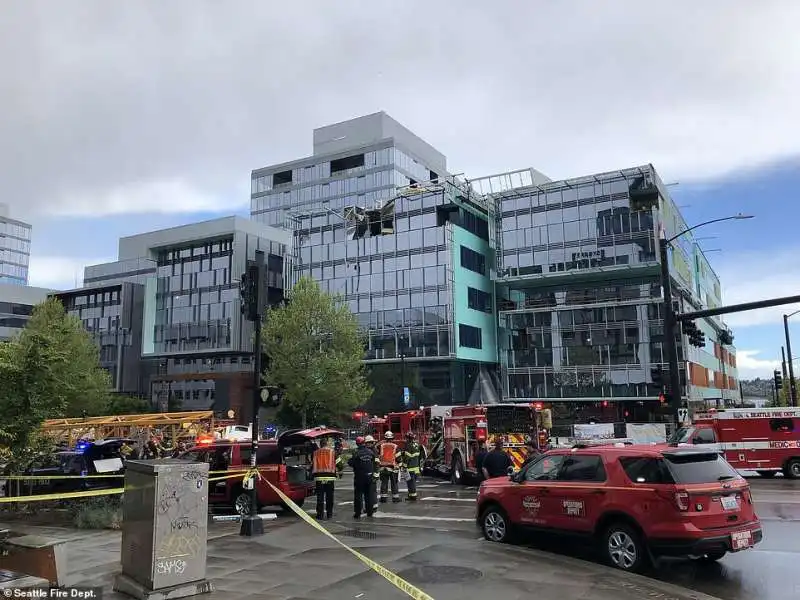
(241, 502)
(766, 474)
(623, 548)
(495, 525)
(713, 556)
(457, 472)
(792, 469)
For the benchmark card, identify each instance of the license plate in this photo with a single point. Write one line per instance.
(741, 540)
(730, 503)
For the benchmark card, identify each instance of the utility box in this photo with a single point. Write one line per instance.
(164, 529)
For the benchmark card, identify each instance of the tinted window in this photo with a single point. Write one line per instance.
(544, 469)
(269, 455)
(582, 468)
(781, 425)
(470, 337)
(641, 469)
(699, 468)
(705, 436)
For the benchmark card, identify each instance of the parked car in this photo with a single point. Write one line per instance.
(634, 502)
(284, 462)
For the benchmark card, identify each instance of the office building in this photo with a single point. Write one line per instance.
(16, 306)
(15, 249)
(579, 296)
(377, 219)
(195, 347)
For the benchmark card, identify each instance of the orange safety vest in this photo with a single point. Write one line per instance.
(324, 462)
(388, 454)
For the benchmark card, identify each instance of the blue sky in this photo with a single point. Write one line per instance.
(118, 118)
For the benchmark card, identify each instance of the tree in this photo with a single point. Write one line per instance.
(121, 404)
(315, 352)
(50, 370)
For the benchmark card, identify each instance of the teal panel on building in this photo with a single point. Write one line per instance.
(465, 316)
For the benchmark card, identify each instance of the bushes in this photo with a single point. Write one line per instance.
(97, 513)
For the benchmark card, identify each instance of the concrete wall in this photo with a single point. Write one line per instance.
(20, 295)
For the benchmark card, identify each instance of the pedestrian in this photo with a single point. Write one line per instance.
(363, 465)
(497, 462)
(479, 458)
(387, 457)
(369, 441)
(324, 467)
(410, 459)
(179, 449)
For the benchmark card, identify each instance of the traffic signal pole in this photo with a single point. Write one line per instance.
(670, 326)
(792, 385)
(252, 524)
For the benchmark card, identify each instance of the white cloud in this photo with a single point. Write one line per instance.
(128, 96)
(156, 197)
(752, 276)
(58, 272)
(749, 366)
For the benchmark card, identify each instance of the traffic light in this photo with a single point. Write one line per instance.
(778, 380)
(726, 338)
(696, 337)
(251, 294)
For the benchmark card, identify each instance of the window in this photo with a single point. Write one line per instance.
(642, 469)
(699, 468)
(475, 224)
(705, 436)
(544, 469)
(281, 178)
(781, 425)
(583, 468)
(470, 337)
(474, 261)
(479, 300)
(348, 162)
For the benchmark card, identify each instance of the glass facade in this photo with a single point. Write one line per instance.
(15, 251)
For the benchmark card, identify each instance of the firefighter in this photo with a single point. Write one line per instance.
(363, 464)
(387, 457)
(369, 441)
(410, 459)
(325, 468)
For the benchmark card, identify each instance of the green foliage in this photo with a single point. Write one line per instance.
(120, 404)
(104, 512)
(315, 353)
(50, 370)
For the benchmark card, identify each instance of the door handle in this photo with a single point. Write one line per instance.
(545, 490)
(599, 492)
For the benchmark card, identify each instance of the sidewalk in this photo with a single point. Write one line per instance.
(293, 562)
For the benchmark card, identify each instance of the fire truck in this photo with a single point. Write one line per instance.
(425, 423)
(468, 427)
(765, 440)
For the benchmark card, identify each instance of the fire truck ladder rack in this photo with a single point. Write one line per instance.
(70, 430)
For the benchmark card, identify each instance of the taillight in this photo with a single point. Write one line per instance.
(747, 496)
(682, 500)
(282, 474)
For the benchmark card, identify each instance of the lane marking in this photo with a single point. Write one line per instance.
(382, 515)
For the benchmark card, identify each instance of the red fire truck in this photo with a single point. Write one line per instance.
(470, 426)
(425, 423)
(765, 440)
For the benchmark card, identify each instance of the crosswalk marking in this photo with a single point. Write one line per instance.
(450, 499)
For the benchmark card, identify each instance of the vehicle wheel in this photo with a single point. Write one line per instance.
(457, 473)
(766, 474)
(495, 525)
(623, 548)
(712, 556)
(241, 502)
(792, 469)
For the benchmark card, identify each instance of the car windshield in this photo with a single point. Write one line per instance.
(699, 468)
(681, 436)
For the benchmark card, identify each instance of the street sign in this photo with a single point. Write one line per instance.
(406, 396)
(683, 415)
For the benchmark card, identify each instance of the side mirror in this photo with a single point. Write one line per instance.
(510, 472)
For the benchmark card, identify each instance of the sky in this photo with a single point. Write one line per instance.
(121, 117)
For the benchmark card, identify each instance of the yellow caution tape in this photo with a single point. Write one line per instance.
(395, 580)
(63, 496)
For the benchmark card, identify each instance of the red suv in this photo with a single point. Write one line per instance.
(636, 502)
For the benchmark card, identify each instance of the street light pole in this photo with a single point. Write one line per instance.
(792, 385)
(670, 322)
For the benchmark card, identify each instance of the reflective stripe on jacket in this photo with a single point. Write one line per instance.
(411, 457)
(388, 454)
(323, 464)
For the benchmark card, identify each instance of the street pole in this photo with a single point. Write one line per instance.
(252, 524)
(792, 386)
(670, 324)
(783, 366)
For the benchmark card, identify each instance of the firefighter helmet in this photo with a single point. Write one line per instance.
(359, 441)
(369, 439)
(388, 435)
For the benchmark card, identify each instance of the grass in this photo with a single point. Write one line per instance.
(97, 513)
